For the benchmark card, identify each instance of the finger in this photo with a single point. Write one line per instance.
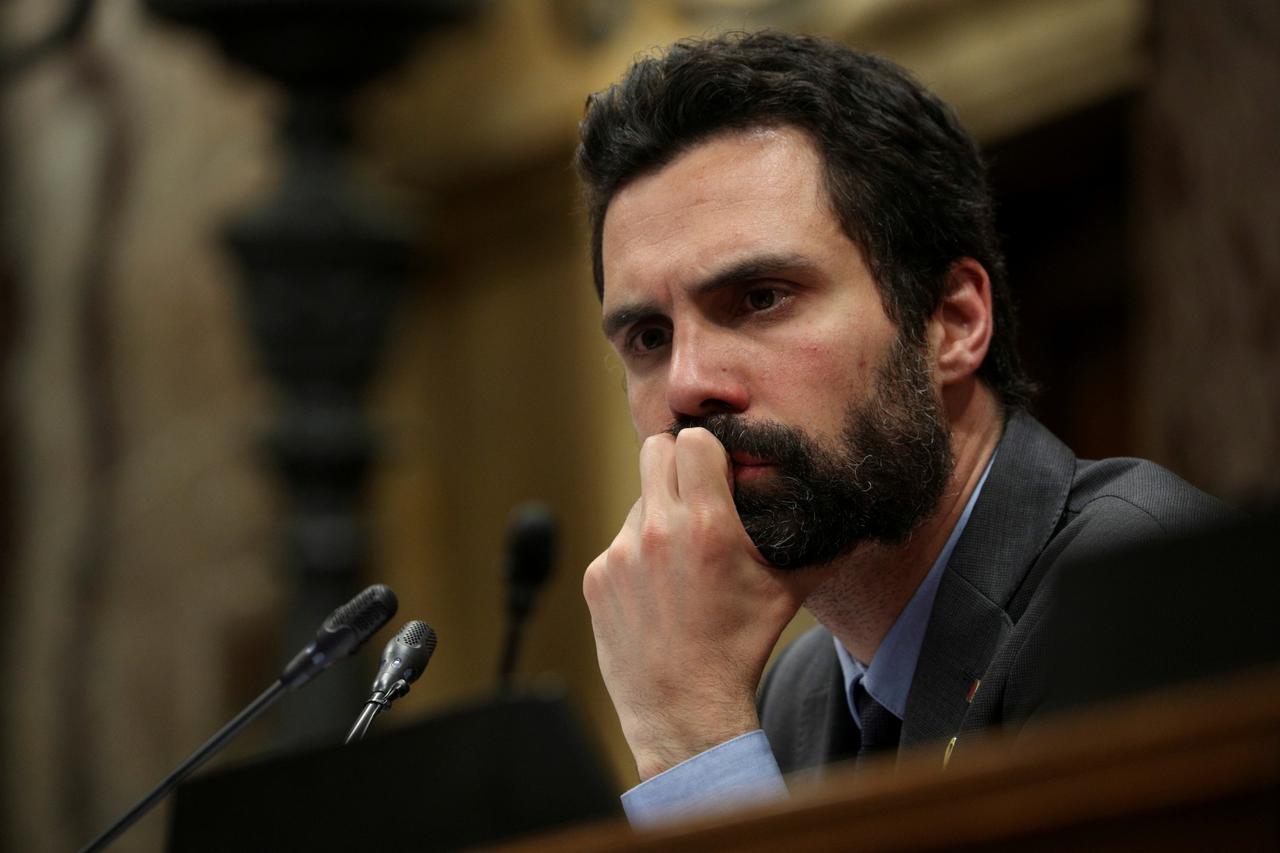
(658, 485)
(703, 472)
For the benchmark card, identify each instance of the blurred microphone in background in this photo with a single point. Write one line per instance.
(530, 553)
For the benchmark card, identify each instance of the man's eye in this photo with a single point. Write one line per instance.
(649, 339)
(762, 299)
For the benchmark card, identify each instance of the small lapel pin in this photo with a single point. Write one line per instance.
(968, 698)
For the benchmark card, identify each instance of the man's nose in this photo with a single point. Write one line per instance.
(705, 376)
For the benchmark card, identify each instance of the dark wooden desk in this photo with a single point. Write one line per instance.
(1194, 768)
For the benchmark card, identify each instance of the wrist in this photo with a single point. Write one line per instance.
(659, 749)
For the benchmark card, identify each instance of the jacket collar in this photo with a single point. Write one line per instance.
(1015, 515)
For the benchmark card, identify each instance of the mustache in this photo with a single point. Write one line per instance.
(767, 440)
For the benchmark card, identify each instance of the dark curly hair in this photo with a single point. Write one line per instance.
(904, 177)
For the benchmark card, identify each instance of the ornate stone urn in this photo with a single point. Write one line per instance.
(322, 264)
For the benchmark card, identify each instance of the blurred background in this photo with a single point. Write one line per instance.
(165, 505)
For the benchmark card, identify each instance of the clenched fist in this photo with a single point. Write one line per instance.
(684, 609)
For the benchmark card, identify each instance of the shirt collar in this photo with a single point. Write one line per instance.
(888, 678)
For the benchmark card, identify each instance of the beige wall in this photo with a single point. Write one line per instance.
(142, 587)
(497, 392)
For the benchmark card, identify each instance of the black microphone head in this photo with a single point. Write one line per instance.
(344, 631)
(364, 614)
(531, 545)
(418, 634)
(405, 656)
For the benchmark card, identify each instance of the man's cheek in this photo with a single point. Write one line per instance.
(647, 416)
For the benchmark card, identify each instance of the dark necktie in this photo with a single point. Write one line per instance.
(880, 728)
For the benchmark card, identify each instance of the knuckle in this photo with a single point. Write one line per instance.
(621, 552)
(706, 521)
(655, 533)
(659, 439)
(656, 444)
(695, 438)
(691, 435)
(593, 580)
(708, 514)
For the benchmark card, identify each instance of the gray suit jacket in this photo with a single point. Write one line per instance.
(1040, 509)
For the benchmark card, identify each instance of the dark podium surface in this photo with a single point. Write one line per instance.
(1184, 770)
(473, 776)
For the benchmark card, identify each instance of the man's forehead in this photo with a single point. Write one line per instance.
(712, 206)
(755, 158)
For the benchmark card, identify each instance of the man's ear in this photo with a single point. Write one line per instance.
(960, 330)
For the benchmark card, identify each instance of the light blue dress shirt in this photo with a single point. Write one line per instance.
(743, 770)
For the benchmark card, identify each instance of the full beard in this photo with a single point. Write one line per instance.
(883, 478)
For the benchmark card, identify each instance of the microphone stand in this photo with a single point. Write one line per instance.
(224, 734)
(511, 647)
(377, 703)
(342, 633)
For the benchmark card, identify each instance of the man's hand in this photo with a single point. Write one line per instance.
(684, 609)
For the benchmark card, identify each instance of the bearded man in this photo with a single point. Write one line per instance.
(794, 247)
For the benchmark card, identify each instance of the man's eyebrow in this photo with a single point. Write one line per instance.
(752, 268)
(744, 270)
(619, 318)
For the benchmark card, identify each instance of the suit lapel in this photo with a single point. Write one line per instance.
(832, 736)
(1014, 517)
(803, 709)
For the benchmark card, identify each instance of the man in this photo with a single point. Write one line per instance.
(794, 247)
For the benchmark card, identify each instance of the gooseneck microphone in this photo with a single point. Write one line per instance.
(403, 660)
(342, 633)
(531, 546)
